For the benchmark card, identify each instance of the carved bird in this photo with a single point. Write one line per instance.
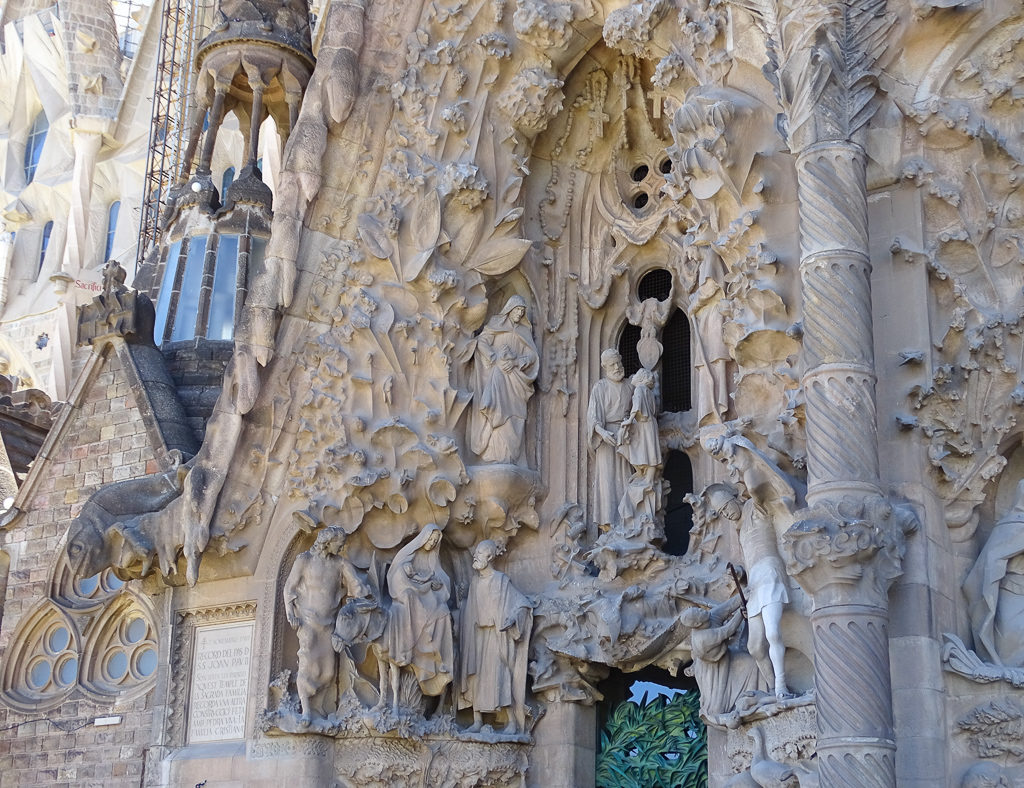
(766, 772)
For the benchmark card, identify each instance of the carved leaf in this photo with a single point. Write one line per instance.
(500, 255)
(372, 233)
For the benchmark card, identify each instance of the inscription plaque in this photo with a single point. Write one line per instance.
(220, 682)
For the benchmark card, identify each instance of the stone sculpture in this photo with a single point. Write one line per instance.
(611, 400)
(724, 672)
(639, 444)
(320, 581)
(506, 366)
(995, 590)
(418, 638)
(494, 643)
(766, 582)
(710, 309)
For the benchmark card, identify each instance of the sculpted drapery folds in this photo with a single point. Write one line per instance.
(610, 402)
(494, 642)
(995, 590)
(419, 628)
(506, 366)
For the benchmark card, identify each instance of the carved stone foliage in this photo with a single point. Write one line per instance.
(994, 730)
(968, 404)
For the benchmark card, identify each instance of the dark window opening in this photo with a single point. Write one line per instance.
(627, 348)
(678, 513)
(640, 173)
(640, 201)
(665, 166)
(675, 363)
(655, 284)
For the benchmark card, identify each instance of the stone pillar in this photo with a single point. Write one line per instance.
(87, 144)
(6, 253)
(846, 550)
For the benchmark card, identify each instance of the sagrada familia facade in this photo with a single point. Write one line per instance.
(550, 348)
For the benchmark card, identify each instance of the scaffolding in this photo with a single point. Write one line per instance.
(182, 24)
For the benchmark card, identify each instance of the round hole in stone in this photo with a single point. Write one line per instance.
(136, 630)
(39, 674)
(665, 167)
(639, 173)
(145, 662)
(58, 640)
(67, 671)
(117, 665)
(641, 200)
(87, 585)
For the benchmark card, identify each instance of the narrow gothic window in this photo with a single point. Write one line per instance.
(44, 245)
(112, 212)
(34, 145)
(678, 513)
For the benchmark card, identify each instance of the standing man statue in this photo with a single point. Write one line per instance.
(610, 403)
(495, 640)
(319, 582)
(767, 594)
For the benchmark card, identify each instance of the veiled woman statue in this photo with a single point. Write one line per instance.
(419, 630)
(995, 590)
(506, 363)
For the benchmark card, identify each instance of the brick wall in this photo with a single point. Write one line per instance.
(106, 441)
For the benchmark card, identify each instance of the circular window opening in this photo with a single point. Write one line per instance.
(145, 663)
(136, 630)
(67, 671)
(640, 173)
(665, 167)
(655, 284)
(58, 640)
(117, 665)
(641, 200)
(87, 586)
(39, 674)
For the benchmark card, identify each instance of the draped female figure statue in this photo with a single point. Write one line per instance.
(418, 637)
(506, 366)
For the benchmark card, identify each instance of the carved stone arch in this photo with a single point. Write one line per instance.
(41, 667)
(284, 654)
(83, 595)
(120, 653)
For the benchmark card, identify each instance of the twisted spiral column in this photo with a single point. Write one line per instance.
(856, 743)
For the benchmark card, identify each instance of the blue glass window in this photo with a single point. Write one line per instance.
(227, 180)
(188, 300)
(47, 231)
(163, 302)
(112, 212)
(222, 302)
(34, 145)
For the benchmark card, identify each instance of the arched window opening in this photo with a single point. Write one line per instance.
(678, 513)
(627, 348)
(44, 245)
(226, 181)
(112, 212)
(675, 363)
(34, 145)
(655, 284)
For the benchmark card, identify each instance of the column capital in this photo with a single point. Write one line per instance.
(849, 551)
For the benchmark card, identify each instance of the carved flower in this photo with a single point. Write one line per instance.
(464, 183)
(533, 97)
(495, 45)
(544, 25)
(455, 116)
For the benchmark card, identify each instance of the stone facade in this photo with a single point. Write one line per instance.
(569, 345)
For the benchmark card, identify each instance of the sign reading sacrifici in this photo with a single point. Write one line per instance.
(220, 682)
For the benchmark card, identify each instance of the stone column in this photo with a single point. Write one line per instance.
(846, 550)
